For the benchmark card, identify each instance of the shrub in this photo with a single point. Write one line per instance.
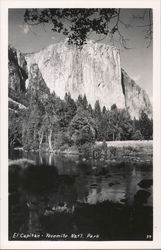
(64, 147)
(113, 151)
(86, 149)
(137, 135)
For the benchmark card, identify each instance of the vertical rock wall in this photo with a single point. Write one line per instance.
(17, 70)
(136, 99)
(95, 71)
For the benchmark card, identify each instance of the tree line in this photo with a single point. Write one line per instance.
(54, 123)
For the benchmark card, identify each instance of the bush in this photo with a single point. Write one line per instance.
(86, 149)
(137, 135)
(113, 151)
(104, 145)
(64, 147)
(60, 139)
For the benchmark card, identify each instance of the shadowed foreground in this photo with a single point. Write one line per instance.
(47, 205)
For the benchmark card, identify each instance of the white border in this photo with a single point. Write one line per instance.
(5, 244)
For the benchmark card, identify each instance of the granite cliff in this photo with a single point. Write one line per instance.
(95, 71)
(136, 99)
(17, 70)
(37, 85)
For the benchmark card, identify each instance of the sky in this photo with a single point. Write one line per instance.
(136, 61)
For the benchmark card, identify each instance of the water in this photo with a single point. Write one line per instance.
(70, 198)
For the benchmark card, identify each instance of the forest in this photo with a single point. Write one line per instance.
(49, 123)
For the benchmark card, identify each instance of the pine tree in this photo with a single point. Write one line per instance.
(85, 102)
(104, 110)
(82, 127)
(97, 110)
(79, 102)
(98, 119)
(69, 109)
(146, 126)
(90, 110)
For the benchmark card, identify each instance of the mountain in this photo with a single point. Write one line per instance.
(18, 73)
(136, 99)
(17, 67)
(37, 85)
(95, 70)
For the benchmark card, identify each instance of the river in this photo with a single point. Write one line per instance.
(72, 198)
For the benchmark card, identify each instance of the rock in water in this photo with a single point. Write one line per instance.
(141, 197)
(146, 183)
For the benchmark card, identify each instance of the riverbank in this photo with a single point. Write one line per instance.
(109, 152)
(147, 143)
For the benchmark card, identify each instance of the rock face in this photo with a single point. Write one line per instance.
(18, 72)
(136, 99)
(94, 71)
(37, 86)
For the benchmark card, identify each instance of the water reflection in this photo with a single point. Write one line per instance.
(50, 194)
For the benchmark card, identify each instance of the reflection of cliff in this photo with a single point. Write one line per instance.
(102, 189)
(131, 186)
(55, 200)
(70, 190)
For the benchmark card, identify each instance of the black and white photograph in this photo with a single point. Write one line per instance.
(80, 124)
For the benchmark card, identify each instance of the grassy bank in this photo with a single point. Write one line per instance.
(138, 151)
(134, 144)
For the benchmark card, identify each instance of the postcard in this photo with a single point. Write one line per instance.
(80, 125)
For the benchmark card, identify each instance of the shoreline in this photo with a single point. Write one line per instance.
(116, 144)
(116, 151)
